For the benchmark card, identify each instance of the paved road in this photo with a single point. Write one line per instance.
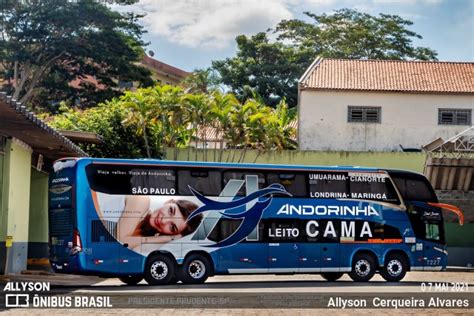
(293, 283)
(255, 285)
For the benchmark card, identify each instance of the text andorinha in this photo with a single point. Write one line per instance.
(323, 210)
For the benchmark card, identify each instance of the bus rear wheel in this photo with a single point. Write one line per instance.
(131, 279)
(363, 268)
(395, 268)
(332, 276)
(195, 270)
(160, 270)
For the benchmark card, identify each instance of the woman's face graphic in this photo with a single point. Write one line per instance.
(168, 219)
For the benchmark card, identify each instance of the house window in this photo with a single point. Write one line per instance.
(454, 117)
(364, 114)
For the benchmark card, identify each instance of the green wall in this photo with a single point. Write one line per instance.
(38, 228)
(401, 160)
(3, 192)
(18, 204)
(459, 236)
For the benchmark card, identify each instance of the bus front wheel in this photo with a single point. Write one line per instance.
(160, 270)
(395, 268)
(195, 269)
(131, 279)
(332, 276)
(363, 268)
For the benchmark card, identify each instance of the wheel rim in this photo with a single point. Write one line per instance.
(394, 267)
(362, 267)
(196, 269)
(159, 270)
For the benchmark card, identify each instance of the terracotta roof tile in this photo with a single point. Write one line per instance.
(161, 66)
(212, 134)
(390, 75)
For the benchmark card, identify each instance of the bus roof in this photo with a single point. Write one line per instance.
(224, 164)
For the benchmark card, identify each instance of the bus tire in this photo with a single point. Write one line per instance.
(195, 270)
(332, 276)
(159, 270)
(131, 279)
(363, 268)
(395, 268)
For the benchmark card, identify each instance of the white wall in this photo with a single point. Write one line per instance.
(408, 119)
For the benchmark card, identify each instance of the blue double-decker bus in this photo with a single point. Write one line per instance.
(169, 221)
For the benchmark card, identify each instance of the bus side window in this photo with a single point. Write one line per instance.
(418, 191)
(162, 181)
(228, 175)
(328, 185)
(373, 187)
(414, 188)
(401, 185)
(223, 229)
(293, 183)
(204, 181)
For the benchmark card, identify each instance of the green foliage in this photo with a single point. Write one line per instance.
(44, 45)
(120, 140)
(272, 68)
(348, 33)
(144, 122)
(202, 80)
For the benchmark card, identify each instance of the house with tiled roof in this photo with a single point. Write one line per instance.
(164, 73)
(383, 105)
(161, 72)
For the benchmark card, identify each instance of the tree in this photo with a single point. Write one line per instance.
(141, 112)
(261, 67)
(348, 33)
(171, 115)
(196, 111)
(281, 135)
(201, 81)
(45, 45)
(221, 107)
(272, 68)
(145, 122)
(120, 140)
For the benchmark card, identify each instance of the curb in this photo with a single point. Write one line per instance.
(55, 279)
(459, 269)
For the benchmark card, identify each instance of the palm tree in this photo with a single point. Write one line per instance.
(221, 107)
(235, 133)
(195, 109)
(170, 113)
(283, 134)
(141, 112)
(256, 117)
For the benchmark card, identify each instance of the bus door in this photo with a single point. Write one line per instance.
(309, 257)
(283, 257)
(434, 249)
(319, 257)
(283, 245)
(248, 256)
(430, 250)
(329, 257)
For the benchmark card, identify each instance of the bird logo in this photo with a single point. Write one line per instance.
(250, 217)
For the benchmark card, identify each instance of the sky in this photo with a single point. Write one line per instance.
(189, 34)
